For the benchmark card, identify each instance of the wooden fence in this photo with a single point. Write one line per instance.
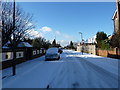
(113, 53)
(22, 55)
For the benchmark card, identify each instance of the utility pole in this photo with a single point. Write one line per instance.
(13, 47)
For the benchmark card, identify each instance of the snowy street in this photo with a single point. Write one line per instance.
(73, 70)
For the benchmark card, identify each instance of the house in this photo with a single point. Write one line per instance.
(88, 46)
(7, 53)
(91, 40)
(116, 18)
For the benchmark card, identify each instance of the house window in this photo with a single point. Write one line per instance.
(34, 52)
(40, 51)
(19, 54)
(6, 56)
(37, 51)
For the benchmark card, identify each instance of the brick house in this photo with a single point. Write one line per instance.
(116, 18)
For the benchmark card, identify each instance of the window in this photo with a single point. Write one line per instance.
(40, 51)
(19, 54)
(34, 52)
(37, 51)
(6, 56)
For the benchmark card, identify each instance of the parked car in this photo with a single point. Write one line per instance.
(52, 54)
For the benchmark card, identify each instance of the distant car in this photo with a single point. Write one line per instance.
(52, 54)
(60, 50)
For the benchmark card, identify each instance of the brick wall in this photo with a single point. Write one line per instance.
(114, 53)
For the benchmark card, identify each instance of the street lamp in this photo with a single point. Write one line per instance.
(81, 36)
(81, 42)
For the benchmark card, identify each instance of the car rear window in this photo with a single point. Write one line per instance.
(52, 50)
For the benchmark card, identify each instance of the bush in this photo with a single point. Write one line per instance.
(104, 45)
(100, 36)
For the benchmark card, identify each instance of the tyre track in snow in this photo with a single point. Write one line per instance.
(98, 77)
(58, 79)
(83, 74)
(104, 76)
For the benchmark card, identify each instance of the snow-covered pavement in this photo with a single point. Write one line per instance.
(73, 70)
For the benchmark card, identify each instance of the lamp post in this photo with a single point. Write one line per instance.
(81, 42)
(81, 36)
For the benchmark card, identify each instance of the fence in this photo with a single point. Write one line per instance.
(22, 55)
(114, 53)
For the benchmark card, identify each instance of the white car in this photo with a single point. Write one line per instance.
(52, 53)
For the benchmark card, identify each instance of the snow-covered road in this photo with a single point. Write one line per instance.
(73, 70)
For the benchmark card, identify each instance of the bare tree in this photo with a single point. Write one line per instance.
(16, 25)
(115, 40)
(22, 26)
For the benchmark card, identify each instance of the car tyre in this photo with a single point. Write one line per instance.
(46, 59)
(58, 58)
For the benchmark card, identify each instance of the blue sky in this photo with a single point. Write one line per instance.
(64, 20)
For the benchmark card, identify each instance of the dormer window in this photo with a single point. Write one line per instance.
(116, 18)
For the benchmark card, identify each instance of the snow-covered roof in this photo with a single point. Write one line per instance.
(6, 45)
(114, 15)
(24, 44)
(91, 40)
(21, 44)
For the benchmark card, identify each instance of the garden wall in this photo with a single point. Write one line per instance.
(113, 53)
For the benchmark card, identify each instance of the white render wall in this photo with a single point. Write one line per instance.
(8, 54)
(87, 48)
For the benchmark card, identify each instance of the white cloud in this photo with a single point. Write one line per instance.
(57, 33)
(46, 29)
(63, 42)
(29, 24)
(68, 37)
(32, 33)
(61, 38)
